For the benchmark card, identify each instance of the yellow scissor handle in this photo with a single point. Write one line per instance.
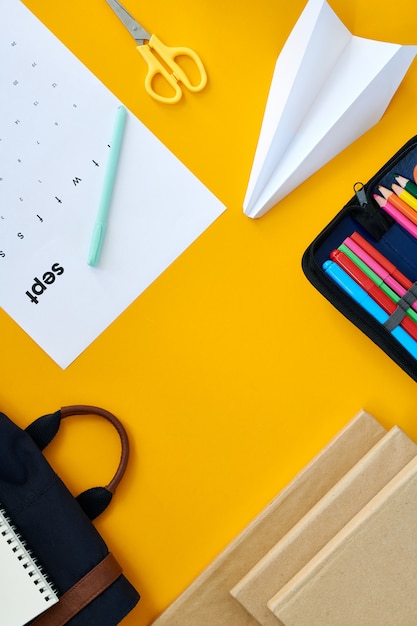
(167, 67)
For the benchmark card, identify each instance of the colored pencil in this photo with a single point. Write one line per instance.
(407, 184)
(401, 219)
(406, 196)
(398, 203)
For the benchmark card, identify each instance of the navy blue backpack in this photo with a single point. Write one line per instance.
(57, 526)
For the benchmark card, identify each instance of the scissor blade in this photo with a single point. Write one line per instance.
(137, 31)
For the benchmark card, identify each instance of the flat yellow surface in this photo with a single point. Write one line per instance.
(230, 372)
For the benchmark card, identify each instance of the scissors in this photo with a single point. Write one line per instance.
(161, 59)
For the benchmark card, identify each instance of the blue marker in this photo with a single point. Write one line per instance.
(359, 295)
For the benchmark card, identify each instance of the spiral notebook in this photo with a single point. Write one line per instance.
(25, 590)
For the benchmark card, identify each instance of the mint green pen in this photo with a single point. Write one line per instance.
(106, 193)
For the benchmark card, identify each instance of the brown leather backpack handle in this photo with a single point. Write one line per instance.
(85, 409)
(95, 500)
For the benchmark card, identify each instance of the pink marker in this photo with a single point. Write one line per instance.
(396, 215)
(377, 268)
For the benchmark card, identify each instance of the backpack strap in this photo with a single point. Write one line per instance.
(81, 594)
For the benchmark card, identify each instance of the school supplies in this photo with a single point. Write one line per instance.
(56, 121)
(376, 272)
(106, 193)
(367, 301)
(397, 215)
(408, 185)
(405, 195)
(25, 588)
(381, 242)
(367, 573)
(376, 288)
(208, 600)
(379, 258)
(399, 204)
(57, 526)
(161, 60)
(328, 88)
(280, 566)
(351, 488)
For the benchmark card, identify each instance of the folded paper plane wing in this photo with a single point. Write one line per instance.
(328, 88)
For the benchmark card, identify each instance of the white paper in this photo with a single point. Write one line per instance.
(328, 88)
(25, 591)
(56, 121)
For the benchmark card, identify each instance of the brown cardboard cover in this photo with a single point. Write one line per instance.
(207, 601)
(322, 522)
(367, 574)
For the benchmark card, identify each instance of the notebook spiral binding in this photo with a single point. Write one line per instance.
(24, 555)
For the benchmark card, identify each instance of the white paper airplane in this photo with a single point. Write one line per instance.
(328, 88)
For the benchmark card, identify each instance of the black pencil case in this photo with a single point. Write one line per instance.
(363, 215)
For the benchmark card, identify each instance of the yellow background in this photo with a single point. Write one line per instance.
(230, 372)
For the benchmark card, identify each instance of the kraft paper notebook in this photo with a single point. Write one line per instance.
(207, 601)
(25, 591)
(367, 574)
(322, 522)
